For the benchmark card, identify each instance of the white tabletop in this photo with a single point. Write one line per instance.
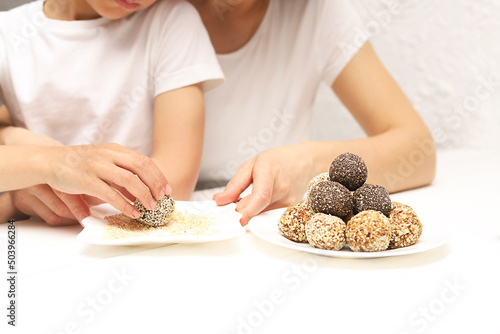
(246, 285)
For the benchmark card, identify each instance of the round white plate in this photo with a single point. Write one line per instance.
(265, 226)
(227, 225)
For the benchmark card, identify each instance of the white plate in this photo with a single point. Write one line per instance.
(265, 226)
(227, 225)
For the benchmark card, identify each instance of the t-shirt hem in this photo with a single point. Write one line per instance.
(209, 74)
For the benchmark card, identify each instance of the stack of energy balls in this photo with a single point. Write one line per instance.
(340, 207)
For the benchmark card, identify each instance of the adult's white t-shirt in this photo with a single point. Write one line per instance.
(268, 96)
(95, 81)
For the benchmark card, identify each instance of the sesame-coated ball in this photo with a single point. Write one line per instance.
(326, 232)
(368, 231)
(349, 170)
(405, 225)
(160, 215)
(372, 197)
(292, 223)
(331, 198)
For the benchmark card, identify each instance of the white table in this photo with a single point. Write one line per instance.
(246, 285)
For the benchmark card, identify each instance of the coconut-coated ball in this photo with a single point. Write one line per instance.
(368, 231)
(405, 225)
(326, 232)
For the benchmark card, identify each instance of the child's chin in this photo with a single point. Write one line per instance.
(115, 14)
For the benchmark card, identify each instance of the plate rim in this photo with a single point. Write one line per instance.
(101, 209)
(254, 223)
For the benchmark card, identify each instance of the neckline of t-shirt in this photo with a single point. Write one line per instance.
(254, 38)
(76, 24)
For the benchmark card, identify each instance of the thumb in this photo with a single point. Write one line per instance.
(240, 181)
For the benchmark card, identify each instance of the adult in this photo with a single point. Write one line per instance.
(275, 54)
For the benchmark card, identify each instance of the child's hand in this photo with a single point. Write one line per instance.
(111, 172)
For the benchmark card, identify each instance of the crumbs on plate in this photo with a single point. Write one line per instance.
(181, 223)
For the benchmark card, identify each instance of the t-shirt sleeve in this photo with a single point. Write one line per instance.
(340, 35)
(182, 51)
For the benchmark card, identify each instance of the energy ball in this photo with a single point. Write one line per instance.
(160, 215)
(349, 170)
(368, 231)
(314, 181)
(292, 223)
(372, 197)
(331, 198)
(405, 225)
(325, 232)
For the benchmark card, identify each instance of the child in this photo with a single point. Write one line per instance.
(129, 72)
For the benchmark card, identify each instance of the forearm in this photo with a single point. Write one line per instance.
(12, 135)
(182, 177)
(397, 159)
(21, 167)
(179, 118)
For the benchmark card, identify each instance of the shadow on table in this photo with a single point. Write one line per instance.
(392, 262)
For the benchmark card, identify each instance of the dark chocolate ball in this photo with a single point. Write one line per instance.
(331, 198)
(349, 170)
(372, 197)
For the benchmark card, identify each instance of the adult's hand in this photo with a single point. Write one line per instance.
(279, 176)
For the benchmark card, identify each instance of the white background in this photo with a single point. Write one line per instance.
(440, 52)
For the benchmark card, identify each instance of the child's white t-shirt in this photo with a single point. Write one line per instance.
(95, 81)
(271, 82)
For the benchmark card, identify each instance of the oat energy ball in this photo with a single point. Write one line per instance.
(349, 170)
(368, 231)
(325, 232)
(160, 215)
(372, 197)
(331, 198)
(292, 223)
(405, 225)
(314, 181)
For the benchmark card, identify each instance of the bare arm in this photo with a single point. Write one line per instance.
(179, 118)
(399, 149)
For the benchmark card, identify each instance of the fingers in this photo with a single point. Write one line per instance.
(113, 197)
(124, 192)
(39, 209)
(125, 179)
(92, 200)
(75, 204)
(261, 196)
(147, 172)
(25, 199)
(240, 181)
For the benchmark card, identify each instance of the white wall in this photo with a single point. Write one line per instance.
(441, 52)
